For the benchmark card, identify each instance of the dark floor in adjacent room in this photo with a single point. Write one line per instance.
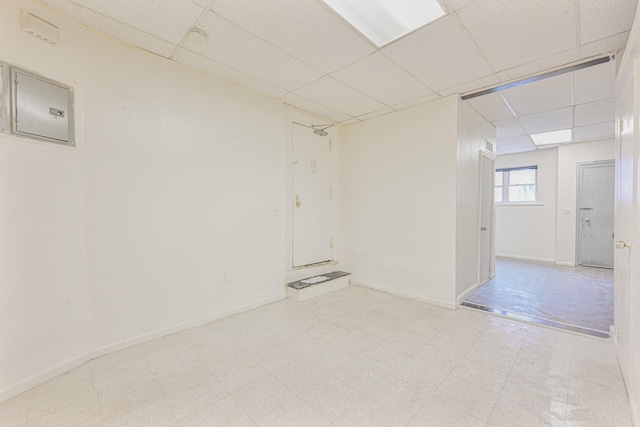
(578, 296)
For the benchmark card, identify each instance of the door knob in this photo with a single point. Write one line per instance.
(298, 202)
(483, 228)
(621, 245)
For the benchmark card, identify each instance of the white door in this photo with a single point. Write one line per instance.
(311, 197)
(624, 216)
(595, 214)
(487, 175)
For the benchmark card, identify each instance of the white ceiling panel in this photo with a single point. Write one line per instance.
(594, 132)
(484, 82)
(596, 112)
(382, 79)
(116, 29)
(417, 101)
(171, 18)
(492, 107)
(304, 28)
(595, 83)
(239, 49)
(606, 45)
(350, 122)
(508, 128)
(514, 142)
(600, 19)
(441, 55)
(332, 93)
(540, 65)
(456, 4)
(548, 121)
(376, 114)
(315, 108)
(502, 28)
(548, 94)
(199, 62)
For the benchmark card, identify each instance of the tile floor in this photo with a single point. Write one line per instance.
(580, 296)
(355, 357)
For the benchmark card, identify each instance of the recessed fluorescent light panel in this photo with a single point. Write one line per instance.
(383, 21)
(557, 137)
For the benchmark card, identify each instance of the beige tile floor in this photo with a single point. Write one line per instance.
(356, 357)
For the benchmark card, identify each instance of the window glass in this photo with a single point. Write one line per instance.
(522, 193)
(498, 194)
(516, 185)
(498, 179)
(523, 176)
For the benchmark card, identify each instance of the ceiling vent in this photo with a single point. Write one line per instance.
(40, 28)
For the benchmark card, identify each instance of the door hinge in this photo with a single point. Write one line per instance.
(621, 126)
(331, 242)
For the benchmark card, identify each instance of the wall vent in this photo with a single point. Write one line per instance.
(40, 28)
(488, 145)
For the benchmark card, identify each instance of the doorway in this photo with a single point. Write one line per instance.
(595, 214)
(487, 172)
(311, 198)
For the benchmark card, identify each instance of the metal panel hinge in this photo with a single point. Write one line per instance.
(621, 126)
(331, 242)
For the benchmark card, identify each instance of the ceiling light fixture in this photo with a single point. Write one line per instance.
(557, 137)
(383, 21)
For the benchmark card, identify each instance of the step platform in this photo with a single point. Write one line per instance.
(315, 286)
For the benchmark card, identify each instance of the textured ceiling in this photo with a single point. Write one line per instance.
(301, 52)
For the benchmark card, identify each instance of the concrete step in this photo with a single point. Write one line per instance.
(315, 286)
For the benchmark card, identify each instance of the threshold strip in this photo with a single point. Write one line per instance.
(537, 321)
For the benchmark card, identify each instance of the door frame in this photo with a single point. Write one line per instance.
(296, 273)
(489, 156)
(578, 211)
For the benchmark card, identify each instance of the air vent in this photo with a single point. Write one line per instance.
(488, 145)
(40, 28)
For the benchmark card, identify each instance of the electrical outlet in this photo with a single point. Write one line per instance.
(224, 276)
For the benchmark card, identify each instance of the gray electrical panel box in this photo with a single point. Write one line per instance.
(40, 108)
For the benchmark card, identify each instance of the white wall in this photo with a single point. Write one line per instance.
(548, 233)
(173, 179)
(400, 201)
(568, 158)
(473, 132)
(529, 231)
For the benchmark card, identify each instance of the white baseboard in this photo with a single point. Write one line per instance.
(635, 415)
(468, 292)
(54, 371)
(526, 258)
(568, 264)
(403, 294)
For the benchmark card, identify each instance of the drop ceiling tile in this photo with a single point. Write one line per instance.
(514, 142)
(350, 122)
(606, 45)
(540, 65)
(492, 107)
(201, 63)
(472, 86)
(304, 28)
(600, 19)
(595, 83)
(457, 4)
(548, 94)
(113, 28)
(314, 108)
(515, 32)
(376, 114)
(168, 19)
(518, 150)
(594, 132)
(382, 79)
(232, 46)
(330, 92)
(417, 101)
(596, 112)
(441, 55)
(508, 128)
(548, 121)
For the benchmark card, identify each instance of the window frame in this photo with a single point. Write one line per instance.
(506, 184)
